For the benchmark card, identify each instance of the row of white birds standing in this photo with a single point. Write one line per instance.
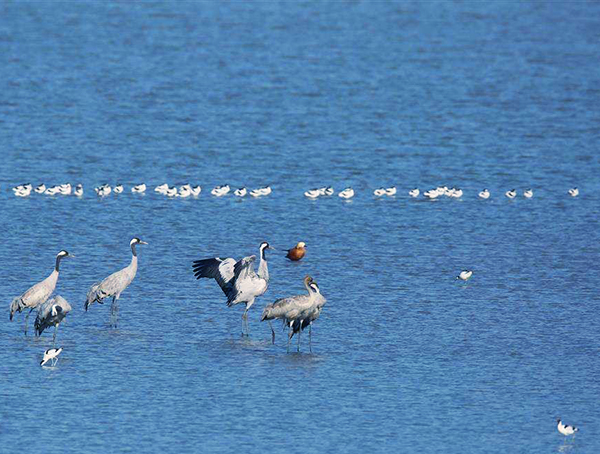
(24, 190)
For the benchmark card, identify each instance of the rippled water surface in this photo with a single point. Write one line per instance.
(299, 95)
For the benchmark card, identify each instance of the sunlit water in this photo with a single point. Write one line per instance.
(405, 358)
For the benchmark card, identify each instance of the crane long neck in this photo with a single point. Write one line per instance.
(57, 266)
(263, 270)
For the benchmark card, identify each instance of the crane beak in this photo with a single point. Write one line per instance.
(143, 242)
(271, 247)
(71, 256)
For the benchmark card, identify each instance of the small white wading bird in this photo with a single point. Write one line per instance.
(465, 275)
(239, 282)
(573, 192)
(379, 192)
(511, 194)
(564, 429)
(220, 191)
(51, 355)
(347, 193)
(65, 189)
(196, 190)
(414, 192)
(78, 190)
(51, 313)
(391, 191)
(296, 312)
(327, 190)
(114, 285)
(240, 192)
(528, 193)
(139, 188)
(39, 293)
(39, 189)
(432, 194)
(118, 189)
(312, 193)
(485, 194)
(162, 189)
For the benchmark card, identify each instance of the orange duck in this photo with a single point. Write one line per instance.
(298, 252)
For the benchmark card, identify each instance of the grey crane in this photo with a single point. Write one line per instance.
(114, 285)
(239, 282)
(39, 293)
(51, 313)
(297, 312)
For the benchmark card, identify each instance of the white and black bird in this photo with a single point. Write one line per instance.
(313, 193)
(528, 193)
(296, 312)
(39, 293)
(511, 194)
(485, 194)
(196, 190)
(139, 188)
(40, 189)
(51, 355)
(565, 429)
(220, 191)
(379, 192)
(432, 194)
(78, 190)
(65, 189)
(115, 284)
(573, 192)
(51, 313)
(414, 192)
(465, 275)
(239, 282)
(162, 189)
(240, 192)
(390, 192)
(118, 189)
(347, 193)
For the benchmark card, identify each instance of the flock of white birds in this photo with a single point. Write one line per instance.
(188, 190)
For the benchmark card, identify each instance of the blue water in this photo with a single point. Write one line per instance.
(298, 95)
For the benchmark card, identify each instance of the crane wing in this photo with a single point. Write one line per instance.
(218, 269)
(244, 268)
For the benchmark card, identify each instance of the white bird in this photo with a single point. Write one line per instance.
(184, 191)
(238, 280)
(327, 190)
(414, 192)
(312, 193)
(432, 194)
(162, 189)
(23, 192)
(565, 429)
(347, 193)
(196, 191)
(115, 284)
(379, 192)
(511, 194)
(51, 313)
(51, 191)
(39, 189)
(51, 355)
(78, 190)
(485, 194)
(456, 193)
(265, 191)
(103, 190)
(65, 189)
(465, 275)
(39, 293)
(256, 193)
(528, 193)
(240, 192)
(390, 191)
(574, 192)
(118, 189)
(139, 188)
(220, 191)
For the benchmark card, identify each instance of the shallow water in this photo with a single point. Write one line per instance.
(299, 95)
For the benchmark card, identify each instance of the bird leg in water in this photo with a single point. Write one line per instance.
(26, 320)
(290, 334)
(114, 311)
(245, 323)
(299, 331)
(310, 337)
(272, 332)
(54, 337)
